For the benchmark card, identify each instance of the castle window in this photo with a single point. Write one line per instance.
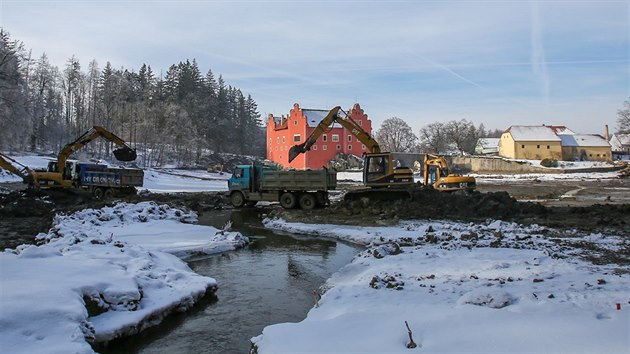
(324, 147)
(349, 147)
(335, 137)
(314, 147)
(325, 137)
(297, 137)
(338, 147)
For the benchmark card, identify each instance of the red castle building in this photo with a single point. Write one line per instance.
(285, 132)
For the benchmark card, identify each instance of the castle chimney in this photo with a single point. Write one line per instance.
(607, 134)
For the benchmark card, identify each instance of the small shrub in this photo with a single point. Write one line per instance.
(549, 163)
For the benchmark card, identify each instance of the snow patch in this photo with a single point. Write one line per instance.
(100, 274)
(462, 287)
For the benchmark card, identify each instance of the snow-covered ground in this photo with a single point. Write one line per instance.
(492, 287)
(509, 178)
(463, 288)
(506, 178)
(118, 261)
(175, 180)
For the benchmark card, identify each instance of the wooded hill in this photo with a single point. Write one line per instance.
(179, 116)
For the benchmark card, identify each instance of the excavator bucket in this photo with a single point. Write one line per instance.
(125, 154)
(295, 150)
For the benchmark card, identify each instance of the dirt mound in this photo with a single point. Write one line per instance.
(431, 204)
(25, 213)
(467, 207)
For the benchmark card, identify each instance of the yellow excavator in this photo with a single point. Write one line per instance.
(58, 175)
(63, 174)
(380, 169)
(383, 174)
(437, 175)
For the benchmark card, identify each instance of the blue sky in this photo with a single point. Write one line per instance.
(499, 63)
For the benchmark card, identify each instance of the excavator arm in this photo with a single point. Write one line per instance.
(16, 168)
(124, 153)
(331, 117)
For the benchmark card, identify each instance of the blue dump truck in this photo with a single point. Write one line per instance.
(101, 180)
(104, 181)
(306, 189)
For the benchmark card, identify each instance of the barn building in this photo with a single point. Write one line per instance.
(530, 143)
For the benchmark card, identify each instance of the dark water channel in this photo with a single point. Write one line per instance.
(271, 281)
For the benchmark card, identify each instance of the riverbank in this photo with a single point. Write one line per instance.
(464, 287)
(100, 274)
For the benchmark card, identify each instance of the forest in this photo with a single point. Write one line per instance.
(176, 118)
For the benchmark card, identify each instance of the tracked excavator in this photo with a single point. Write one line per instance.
(437, 175)
(382, 171)
(100, 180)
(58, 175)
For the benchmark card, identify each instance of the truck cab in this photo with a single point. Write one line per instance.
(244, 177)
(240, 179)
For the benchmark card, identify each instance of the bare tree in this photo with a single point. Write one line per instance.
(462, 135)
(623, 118)
(433, 138)
(396, 135)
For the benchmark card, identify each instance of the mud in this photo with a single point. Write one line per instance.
(469, 207)
(593, 207)
(25, 213)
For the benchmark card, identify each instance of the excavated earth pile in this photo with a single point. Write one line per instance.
(25, 213)
(461, 206)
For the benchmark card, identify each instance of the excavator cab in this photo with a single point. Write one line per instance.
(381, 170)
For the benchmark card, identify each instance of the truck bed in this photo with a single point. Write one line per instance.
(320, 180)
(113, 177)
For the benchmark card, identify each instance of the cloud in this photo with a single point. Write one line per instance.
(420, 60)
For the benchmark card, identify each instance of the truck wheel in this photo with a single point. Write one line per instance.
(237, 199)
(288, 200)
(98, 193)
(307, 201)
(109, 194)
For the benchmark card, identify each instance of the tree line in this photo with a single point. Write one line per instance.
(438, 138)
(453, 136)
(175, 118)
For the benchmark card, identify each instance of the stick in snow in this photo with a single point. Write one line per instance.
(316, 296)
(411, 343)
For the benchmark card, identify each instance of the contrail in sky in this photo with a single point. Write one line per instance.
(539, 65)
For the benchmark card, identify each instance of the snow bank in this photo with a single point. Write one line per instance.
(100, 274)
(160, 181)
(490, 287)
